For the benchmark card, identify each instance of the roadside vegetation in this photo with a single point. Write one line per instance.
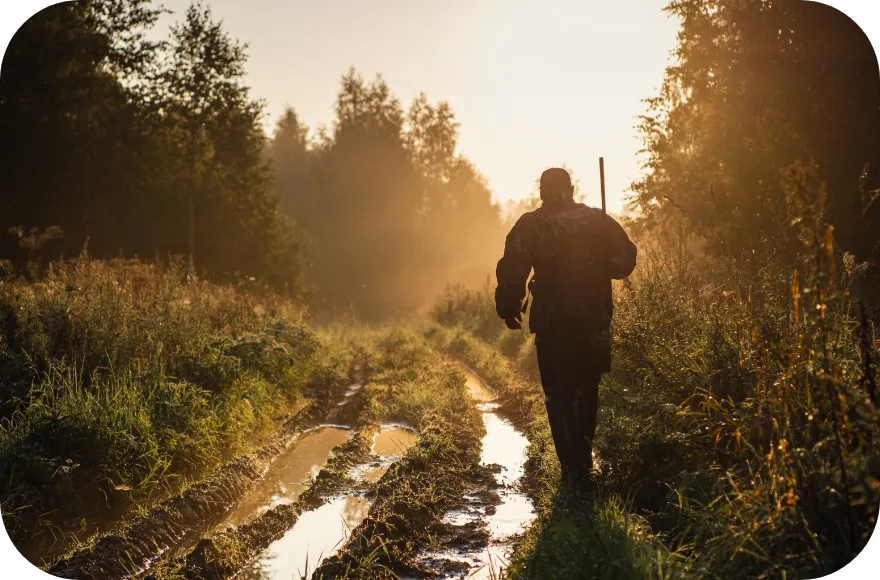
(122, 380)
(739, 423)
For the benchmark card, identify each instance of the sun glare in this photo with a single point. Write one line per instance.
(534, 84)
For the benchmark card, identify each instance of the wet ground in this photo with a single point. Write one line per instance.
(290, 473)
(479, 533)
(473, 538)
(284, 480)
(318, 534)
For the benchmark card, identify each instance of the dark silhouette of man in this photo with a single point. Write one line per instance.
(575, 251)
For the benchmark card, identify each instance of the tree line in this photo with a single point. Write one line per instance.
(391, 213)
(769, 109)
(136, 147)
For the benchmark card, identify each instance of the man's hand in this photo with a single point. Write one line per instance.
(514, 322)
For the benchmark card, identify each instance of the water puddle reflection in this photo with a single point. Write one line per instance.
(479, 390)
(317, 535)
(502, 446)
(390, 444)
(290, 473)
(394, 441)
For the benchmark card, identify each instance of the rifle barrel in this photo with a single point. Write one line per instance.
(605, 233)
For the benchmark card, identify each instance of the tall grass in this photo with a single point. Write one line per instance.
(741, 415)
(120, 378)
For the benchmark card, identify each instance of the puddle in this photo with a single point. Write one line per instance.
(317, 535)
(479, 390)
(290, 473)
(502, 446)
(390, 444)
(394, 441)
(505, 446)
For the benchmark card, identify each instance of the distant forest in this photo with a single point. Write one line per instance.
(126, 146)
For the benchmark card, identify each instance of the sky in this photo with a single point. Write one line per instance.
(533, 83)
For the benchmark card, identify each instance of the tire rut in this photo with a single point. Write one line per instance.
(226, 553)
(137, 546)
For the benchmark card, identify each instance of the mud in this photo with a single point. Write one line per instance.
(226, 553)
(318, 534)
(181, 519)
(475, 536)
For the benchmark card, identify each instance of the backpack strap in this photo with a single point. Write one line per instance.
(529, 293)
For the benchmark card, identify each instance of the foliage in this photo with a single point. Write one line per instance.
(121, 378)
(109, 137)
(758, 88)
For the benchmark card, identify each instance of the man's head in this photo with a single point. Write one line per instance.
(556, 185)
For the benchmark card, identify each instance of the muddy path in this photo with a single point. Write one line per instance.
(177, 522)
(318, 534)
(348, 490)
(475, 537)
(303, 507)
(228, 552)
(451, 516)
(293, 537)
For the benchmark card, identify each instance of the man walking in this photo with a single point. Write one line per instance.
(575, 251)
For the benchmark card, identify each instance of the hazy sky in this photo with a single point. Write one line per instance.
(534, 83)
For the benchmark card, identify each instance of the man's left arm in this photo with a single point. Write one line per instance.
(621, 251)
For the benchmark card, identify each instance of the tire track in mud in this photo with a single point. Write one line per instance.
(474, 537)
(408, 499)
(137, 546)
(347, 474)
(318, 533)
(226, 553)
(452, 515)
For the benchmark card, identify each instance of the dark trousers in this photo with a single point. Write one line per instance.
(570, 371)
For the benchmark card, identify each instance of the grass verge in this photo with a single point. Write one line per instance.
(121, 382)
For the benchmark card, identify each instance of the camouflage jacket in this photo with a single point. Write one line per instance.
(575, 251)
